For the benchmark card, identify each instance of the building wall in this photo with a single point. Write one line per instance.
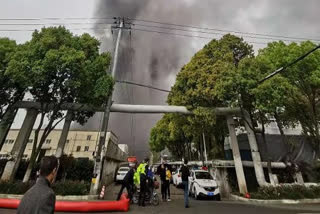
(79, 143)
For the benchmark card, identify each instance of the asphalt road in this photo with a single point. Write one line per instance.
(176, 206)
(201, 207)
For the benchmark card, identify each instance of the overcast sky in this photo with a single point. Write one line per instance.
(293, 18)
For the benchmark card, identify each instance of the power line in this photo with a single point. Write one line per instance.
(214, 33)
(289, 65)
(142, 25)
(142, 85)
(48, 23)
(186, 35)
(161, 23)
(26, 30)
(225, 30)
(97, 28)
(54, 18)
(222, 31)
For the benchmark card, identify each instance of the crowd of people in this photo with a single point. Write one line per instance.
(41, 198)
(143, 177)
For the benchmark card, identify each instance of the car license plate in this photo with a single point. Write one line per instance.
(210, 194)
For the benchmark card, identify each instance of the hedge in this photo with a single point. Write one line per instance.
(60, 188)
(287, 192)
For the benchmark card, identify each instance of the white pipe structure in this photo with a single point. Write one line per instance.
(230, 164)
(154, 109)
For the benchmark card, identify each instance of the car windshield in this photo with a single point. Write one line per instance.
(203, 175)
(124, 169)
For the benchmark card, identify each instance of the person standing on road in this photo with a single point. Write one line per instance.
(168, 179)
(41, 199)
(142, 170)
(185, 173)
(127, 183)
(162, 174)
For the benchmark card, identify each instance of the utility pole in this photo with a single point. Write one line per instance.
(204, 149)
(121, 23)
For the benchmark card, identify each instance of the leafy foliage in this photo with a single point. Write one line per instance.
(58, 67)
(71, 188)
(10, 90)
(198, 86)
(287, 192)
(60, 188)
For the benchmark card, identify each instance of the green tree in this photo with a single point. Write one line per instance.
(304, 79)
(61, 68)
(10, 91)
(198, 86)
(168, 133)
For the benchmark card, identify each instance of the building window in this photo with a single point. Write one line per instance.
(86, 148)
(6, 142)
(48, 141)
(89, 137)
(24, 156)
(67, 141)
(11, 141)
(30, 141)
(78, 148)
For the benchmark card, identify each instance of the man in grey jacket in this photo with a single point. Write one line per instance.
(40, 199)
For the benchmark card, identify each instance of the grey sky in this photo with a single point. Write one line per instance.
(293, 18)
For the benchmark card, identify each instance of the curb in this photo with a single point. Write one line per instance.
(58, 197)
(281, 201)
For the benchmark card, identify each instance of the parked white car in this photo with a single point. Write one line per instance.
(122, 171)
(202, 184)
(176, 177)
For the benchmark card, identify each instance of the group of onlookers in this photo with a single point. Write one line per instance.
(165, 177)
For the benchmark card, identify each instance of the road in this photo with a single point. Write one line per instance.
(201, 207)
(176, 206)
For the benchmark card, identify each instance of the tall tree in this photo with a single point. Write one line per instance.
(10, 90)
(61, 68)
(198, 87)
(304, 78)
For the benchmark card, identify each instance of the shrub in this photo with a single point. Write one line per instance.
(287, 192)
(60, 188)
(15, 187)
(71, 188)
(80, 170)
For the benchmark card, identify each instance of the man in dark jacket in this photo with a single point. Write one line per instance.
(127, 183)
(185, 173)
(40, 199)
(162, 174)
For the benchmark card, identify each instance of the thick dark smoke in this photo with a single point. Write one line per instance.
(155, 59)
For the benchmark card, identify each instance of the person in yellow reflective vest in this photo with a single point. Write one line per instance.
(142, 171)
(136, 178)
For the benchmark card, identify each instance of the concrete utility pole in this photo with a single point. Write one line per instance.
(64, 134)
(236, 156)
(20, 145)
(255, 154)
(204, 148)
(5, 124)
(102, 140)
